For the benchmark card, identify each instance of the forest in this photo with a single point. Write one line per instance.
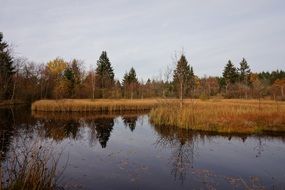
(23, 80)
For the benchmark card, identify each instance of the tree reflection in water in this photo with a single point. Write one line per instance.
(183, 145)
(6, 130)
(11, 120)
(59, 128)
(102, 127)
(130, 121)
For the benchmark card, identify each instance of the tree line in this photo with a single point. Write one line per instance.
(21, 79)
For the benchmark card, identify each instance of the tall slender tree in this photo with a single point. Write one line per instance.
(230, 74)
(7, 70)
(244, 76)
(183, 77)
(244, 72)
(104, 72)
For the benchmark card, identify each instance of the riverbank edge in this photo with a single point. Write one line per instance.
(9, 103)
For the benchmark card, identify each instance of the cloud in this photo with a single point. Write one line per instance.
(145, 34)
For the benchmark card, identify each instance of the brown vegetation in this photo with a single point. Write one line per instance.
(29, 166)
(225, 116)
(100, 105)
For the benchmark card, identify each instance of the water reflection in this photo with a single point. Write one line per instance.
(120, 142)
(6, 130)
(130, 121)
(102, 128)
(67, 125)
(183, 145)
(11, 121)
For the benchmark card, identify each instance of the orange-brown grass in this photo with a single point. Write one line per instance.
(226, 116)
(100, 105)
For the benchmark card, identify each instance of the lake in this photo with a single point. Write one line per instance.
(125, 151)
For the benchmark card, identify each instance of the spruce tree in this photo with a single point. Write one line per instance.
(130, 82)
(7, 70)
(244, 72)
(104, 71)
(230, 73)
(130, 77)
(183, 76)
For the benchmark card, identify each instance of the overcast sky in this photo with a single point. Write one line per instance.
(146, 33)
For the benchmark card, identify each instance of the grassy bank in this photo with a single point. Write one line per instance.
(87, 105)
(225, 116)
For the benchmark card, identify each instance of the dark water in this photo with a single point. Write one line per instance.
(125, 151)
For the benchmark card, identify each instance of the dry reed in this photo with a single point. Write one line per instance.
(225, 116)
(86, 105)
(30, 166)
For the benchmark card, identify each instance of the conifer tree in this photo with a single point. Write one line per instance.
(104, 73)
(183, 77)
(7, 70)
(130, 81)
(244, 72)
(230, 73)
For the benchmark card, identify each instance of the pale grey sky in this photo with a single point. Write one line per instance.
(145, 34)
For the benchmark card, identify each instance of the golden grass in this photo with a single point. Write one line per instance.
(225, 116)
(87, 105)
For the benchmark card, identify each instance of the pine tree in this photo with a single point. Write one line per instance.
(7, 70)
(230, 73)
(130, 81)
(104, 71)
(130, 77)
(183, 76)
(244, 72)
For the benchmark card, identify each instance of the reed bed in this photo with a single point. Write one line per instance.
(87, 105)
(30, 166)
(224, 116)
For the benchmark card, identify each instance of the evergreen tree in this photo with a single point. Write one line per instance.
(230, 73)
(76, 71)
(244, 72)
(130, 77)
(183, 76)
(70, 81)
(130, 82)
(104, 71)
(7, 70)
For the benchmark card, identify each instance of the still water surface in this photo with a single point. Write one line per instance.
(125, 151)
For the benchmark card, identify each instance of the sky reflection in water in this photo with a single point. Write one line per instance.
(126, 151)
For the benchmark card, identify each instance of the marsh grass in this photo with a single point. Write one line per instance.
(87, 105)
(30, 166)
(225, 116)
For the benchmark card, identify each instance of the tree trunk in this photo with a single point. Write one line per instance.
(181, 94)
(12, 97)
